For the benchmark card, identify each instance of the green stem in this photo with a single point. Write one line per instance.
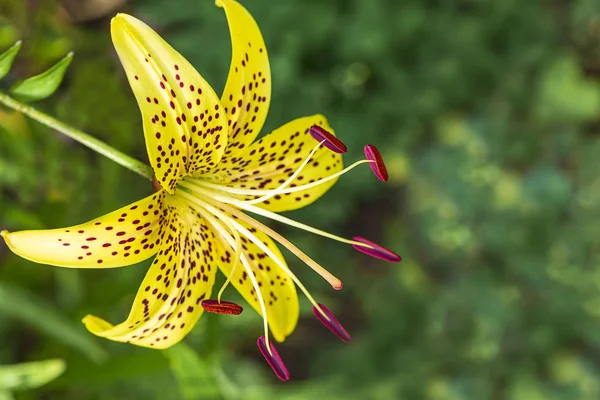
(89, 141)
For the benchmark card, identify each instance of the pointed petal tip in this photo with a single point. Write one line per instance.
(5, 235)
(330, 141)
(120, 17)
(124, 22)
(273, 359)
(222, 307)
(96, 325)
(378, 166)
(331, 322)
(376, 250)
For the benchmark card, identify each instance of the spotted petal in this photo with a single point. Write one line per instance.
(248, 89)
(184, 123)
(123, 237)
(269, 162)
(277, 289)
(167, 305)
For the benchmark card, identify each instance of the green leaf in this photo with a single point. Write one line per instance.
(7, 58)
(194, 375)
(43, 85)
(30, 375)
(24, 306)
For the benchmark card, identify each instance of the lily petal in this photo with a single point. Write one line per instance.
(168, 303)
(270, 161)
(184, 122)
(247, 92)
(277, 289)
(126, 236)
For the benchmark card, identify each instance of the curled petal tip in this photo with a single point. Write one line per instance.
(221, 307)
(378, 166)
(331, 322)
(273, 359)
(331, 142)
(376, 250)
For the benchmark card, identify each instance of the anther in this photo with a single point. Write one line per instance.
(331, 142)
(377, 165)
(273, 359)
(331, 322)
(222, 307)
(375, 250)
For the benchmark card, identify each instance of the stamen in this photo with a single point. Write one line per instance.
(331, 142)
(226, 238)
(324, 314)
(254, 239)
(378, 165)
(288, 180)
(375, 250)
(333, 281)
(277, 260)
(221, 307)
(330, 321)
(250, 192)
(271, 215)
(272, 356)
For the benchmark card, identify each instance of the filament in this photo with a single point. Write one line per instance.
(238, 252)
(250, 192)
(240, 228)
(275, 216)
(223, 232)
(289, 180)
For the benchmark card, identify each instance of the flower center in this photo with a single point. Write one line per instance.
(223, 206)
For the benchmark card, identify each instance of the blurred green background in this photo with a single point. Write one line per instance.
(487, 113)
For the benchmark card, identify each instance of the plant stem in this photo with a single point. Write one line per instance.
(89, 141)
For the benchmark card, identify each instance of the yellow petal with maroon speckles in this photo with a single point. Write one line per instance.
(248, 89)
(167, 305)
(184, 123)
(123, 237)
(277, 288)
(269, 162)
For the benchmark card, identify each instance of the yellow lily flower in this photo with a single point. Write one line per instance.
(208, 173)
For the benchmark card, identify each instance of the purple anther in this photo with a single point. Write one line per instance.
(222, 307)
(331, 142)
(273, 359)
(332, 323)
(378, 165)
(375, 250)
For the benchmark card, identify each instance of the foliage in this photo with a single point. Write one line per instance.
(487, 115)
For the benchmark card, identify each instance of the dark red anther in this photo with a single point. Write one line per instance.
(273, 359)
(378, 165)
(331, 142)
(376, 250)
(331, 323)
(223, 307)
